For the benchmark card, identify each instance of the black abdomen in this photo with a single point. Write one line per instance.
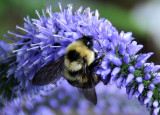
(75, 73)
(89, 84)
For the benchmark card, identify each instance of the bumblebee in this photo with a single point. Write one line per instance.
(76, 66)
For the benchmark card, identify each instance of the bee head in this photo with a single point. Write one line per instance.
(87, 40)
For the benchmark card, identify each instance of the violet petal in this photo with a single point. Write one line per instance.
(139, 80)
(119, 82)
(137, 94)
(130, 95)
(155, 111)
(151, 86)
(122, 49)
(129, 78)
(131, 69)
(140, 88)
(146, 100)
(126, 58)
(149, 94)
(156, 80)
(155, 103)
(115, 71)
(147, 76)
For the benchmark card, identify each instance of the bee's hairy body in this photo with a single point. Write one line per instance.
(74, 62)
(77, 66)
(75, 53)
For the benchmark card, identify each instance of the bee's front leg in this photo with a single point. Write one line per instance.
(102, 80)
(97, 61)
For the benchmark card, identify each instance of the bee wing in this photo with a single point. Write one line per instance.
(49, 73)
(90, 94)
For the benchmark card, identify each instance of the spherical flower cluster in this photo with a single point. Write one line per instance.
(66, 99)
(46, 40)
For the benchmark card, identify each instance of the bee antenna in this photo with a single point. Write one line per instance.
(97, 41)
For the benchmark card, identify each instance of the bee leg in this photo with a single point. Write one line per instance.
(102, 80)
(96, 54)
(97, 61)
(98, 78)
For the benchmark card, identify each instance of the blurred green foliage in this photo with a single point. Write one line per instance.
(13, 11)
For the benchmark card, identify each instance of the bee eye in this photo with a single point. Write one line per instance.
(88, 43)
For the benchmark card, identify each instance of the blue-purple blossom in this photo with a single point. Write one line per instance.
(147, 77)
(47, 38)
(140, 88)
(129, 78)
(156, 80)
(133, 48)
(155, 103)
(126, 58)
(139, 80)
(151, 86)
(131, 69)
(65, 99)
(122, 49)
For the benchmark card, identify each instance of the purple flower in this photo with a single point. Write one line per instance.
(147, 76)
(137, 93)
(115, 71)
(149, 94)
(156, 80)
(149, 67)
(141, 99)
(131, 92)
(144, 56)
(133, 48)
(139, 64)
(126, 38)
(139, 80)
(155, 68)
(122, 49)
(47, 111)
(140, 88)
(117, 61)
(131, 69)
(119, 81)
(114, 74)
(142, 59)
(156, 110)
(129, 78)
(73, 103)
(46, 39)
(126, 58)
(151, 86)
(146, 100)
(155, 103)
